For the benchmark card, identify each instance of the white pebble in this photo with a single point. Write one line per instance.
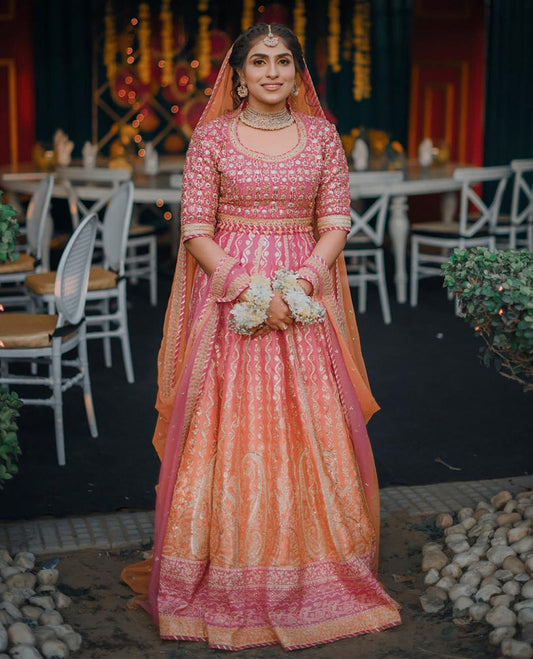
(48, 576)
(25, 559)
(497, 635)
(511, 588)
(516, 649)
(3, 638)
(465, 558)
(527, 589)
(508, 519)
(497, 555)
(50, 618)
(501, 616)
(61, 600)
(8, 571)
(5, 556)
(73, 641)
(473, 578)
(11, 609)
(514, 564)
(504, 599)
(433, 600)
(452, 570)
(459, 546)
(443, 520)
(479, 610)
(55, 649)
(44, 633)
(21, 580)
(44, 601)
(485, 568)
(499, 500)
(525, 616)
(528, 512)
(446, 583)
(490, 581)
(486, 592)
(432, 576)
(456, 528)
(523, 604)
(523, 545)
(31, 612)
(460, 590)
(434, 557)
(517, 533)
(24, 652)
(461, 606)
(20, 633)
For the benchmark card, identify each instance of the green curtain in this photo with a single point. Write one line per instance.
(387, 109)
(509, 86)
(63, 66)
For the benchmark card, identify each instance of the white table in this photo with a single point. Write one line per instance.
(417, 181)
(165, 188)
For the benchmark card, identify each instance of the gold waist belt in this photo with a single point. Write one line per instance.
(265, 225)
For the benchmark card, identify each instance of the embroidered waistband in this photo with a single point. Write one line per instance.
(265, 225)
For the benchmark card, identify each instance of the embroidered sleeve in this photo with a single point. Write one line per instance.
(199, 197)
(228, 280)
(332, 208)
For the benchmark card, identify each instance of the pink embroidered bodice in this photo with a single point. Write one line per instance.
(227, 185)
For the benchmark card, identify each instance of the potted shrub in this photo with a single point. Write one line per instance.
(495, 294)
(9, 446)
(9, 232)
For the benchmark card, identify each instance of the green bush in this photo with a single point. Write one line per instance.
(9, 446)
(495, 293)
(9, 232)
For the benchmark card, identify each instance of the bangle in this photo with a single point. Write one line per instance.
(303, 308)
(246, 316)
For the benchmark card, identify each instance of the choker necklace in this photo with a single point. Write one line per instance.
(266, 120)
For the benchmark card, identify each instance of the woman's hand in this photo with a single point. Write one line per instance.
(306, 286)
(278, 318)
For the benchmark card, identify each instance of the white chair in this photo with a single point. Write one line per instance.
(13, 273)
(141, 257)
(364, 244)
(522, 205)
(107, 283)
(45, 337)
(437, 239)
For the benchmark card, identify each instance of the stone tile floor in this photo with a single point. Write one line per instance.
(126, 529)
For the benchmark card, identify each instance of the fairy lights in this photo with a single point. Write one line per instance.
(299, 21)
(143, 35)
(247, 18)
(203, 43)
(166, 42)
(110, 43)
(334, 34)
(362, 87)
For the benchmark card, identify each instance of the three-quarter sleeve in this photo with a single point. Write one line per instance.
(199, 197)
(332, 208)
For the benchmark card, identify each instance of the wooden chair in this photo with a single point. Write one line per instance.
(49, 337)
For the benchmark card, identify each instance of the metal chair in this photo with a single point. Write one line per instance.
(437, 240)
(13, 273)
(47, 338)
(141, 256)
(106, 283)
(364, 244)
(522, 205)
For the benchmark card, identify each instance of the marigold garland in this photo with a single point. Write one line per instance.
(110, 43)
(299, 21)
(203, 44)
(362, 87)
(143, 37)
(247, 19)
(167, 51)
(334, 15)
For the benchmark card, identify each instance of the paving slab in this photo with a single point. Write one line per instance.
(128, 529)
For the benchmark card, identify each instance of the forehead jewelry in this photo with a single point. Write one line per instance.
(270, 39)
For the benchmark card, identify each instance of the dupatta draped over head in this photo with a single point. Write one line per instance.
(186, 347)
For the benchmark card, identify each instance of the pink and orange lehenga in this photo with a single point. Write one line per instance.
(267, 505)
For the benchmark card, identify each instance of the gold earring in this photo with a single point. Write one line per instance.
(242, 90)
(295, 91)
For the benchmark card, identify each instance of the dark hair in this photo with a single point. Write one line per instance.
(246, 40)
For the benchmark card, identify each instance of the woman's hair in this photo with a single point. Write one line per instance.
(247, 39)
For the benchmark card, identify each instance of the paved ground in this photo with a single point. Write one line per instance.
(123, 530)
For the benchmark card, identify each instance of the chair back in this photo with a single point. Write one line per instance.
(116, 227)
(72, 276)
(375, 186)
(76, 180)
(36, 216)
(522, 197)
(485, 212)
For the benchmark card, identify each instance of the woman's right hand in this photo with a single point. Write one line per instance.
(278, 318)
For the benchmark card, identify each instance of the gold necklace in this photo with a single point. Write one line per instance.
(266, 120)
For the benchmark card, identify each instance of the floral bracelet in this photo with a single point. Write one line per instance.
(303, 308)
(246, 316)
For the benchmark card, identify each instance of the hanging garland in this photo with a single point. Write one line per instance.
(110, 43)
(167, 74)
(334, 16)
(143, 35)
(247, 19)
(362, 87)
(203, 44)
(299, 22)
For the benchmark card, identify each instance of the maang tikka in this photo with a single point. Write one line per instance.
(270, 39)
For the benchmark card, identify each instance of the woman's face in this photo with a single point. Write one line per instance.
(270, 74)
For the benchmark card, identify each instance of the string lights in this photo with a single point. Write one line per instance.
(362, 87)
(143, 35)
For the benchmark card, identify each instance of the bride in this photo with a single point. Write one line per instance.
(267, 514)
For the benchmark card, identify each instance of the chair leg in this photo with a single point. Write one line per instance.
(153, 272)
(58, 401)
(414, 272)
(382, 287)
(87, 393)
(363, 287)
(106, 325)
(125, 336)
